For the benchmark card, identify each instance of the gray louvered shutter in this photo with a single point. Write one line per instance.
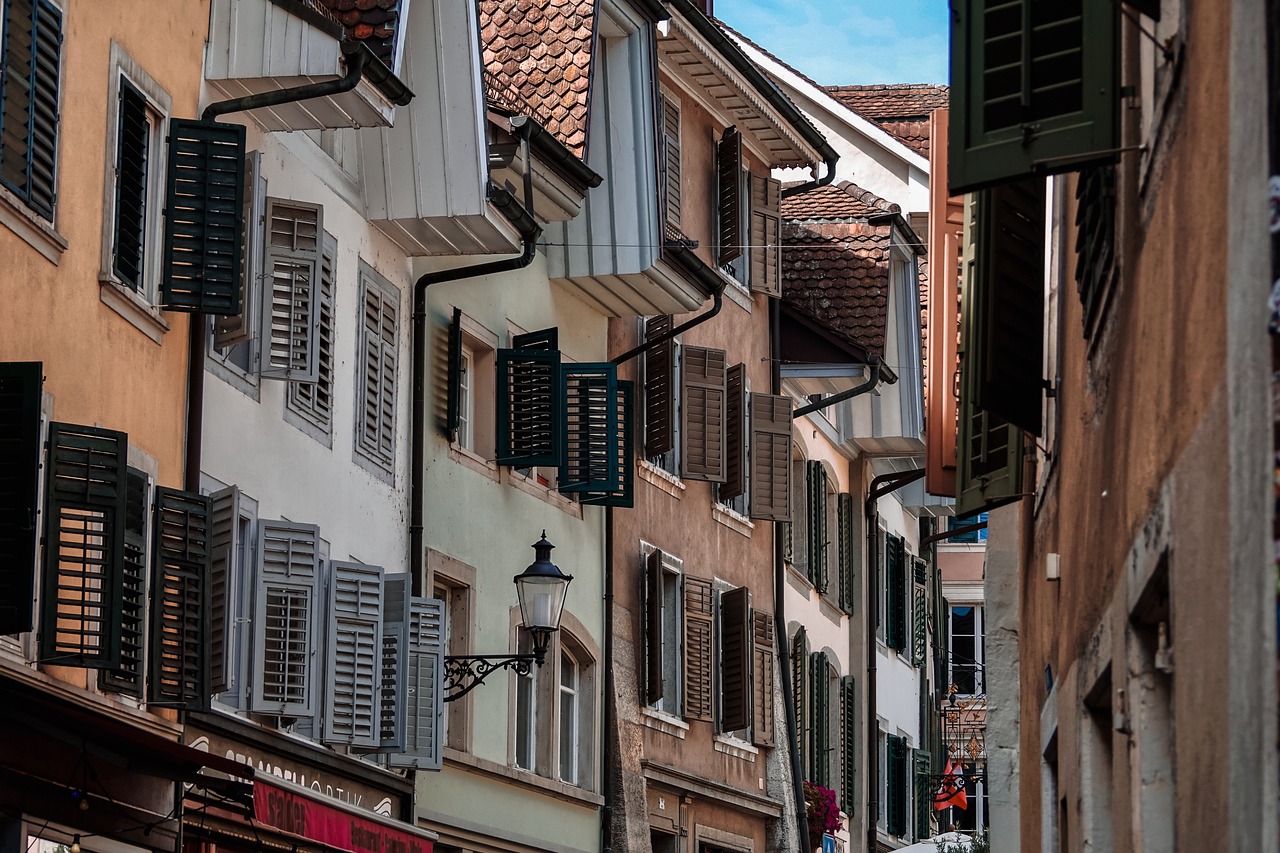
(800, 693)
(817, 524)
(203, 207)
(1034, 87)
(659, 388)
(20, 390)
(530, 410)
(224, 554)
(353, 645)
(766, 235)
(820, 730)
(424, 694)
(699, 648)
(284, 619)
(770, 480)
(379, 355)
(702, 413)
(29, 116)
(392, 669)
(848, 744)
(729, 196)
(178, 647)
(313, 401)
(765, 683)
(133, 141)
(735, 433)
(669, 139)
(127, 678)
(83, 547)
(237, 328)
(653, 687)
(847, 550)
(290, 323)
(736, 653)
(453, 388)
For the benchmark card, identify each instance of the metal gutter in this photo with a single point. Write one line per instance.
(681, 251)
(872, 381)
(554, 152)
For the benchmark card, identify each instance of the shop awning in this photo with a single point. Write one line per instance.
(300, 812)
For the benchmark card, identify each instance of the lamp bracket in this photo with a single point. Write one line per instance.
(464, 673)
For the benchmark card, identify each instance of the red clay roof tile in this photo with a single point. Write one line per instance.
(902, 109)
(843, 201)
(839, 273)
(373, 22)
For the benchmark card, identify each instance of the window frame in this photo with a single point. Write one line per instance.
(979, 643)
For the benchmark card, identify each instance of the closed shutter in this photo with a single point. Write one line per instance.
(848, 744)
(653, 615)
(669, 122)
(1034, 86)
(698, 649)
(895, 592)
(379, 357)
(923, 792)
(735, 433)
(770, 481)
(766, 235)
(820, 729)
(530, 405)
(817, 524)
(659, 388)
(736, 652)
(284, 621)
(225, 547)
(178, 648)
(83, 547)
(29, 79)
(596, 451)
(290, 334)
(127, 678)
(204, 203)
(20, 389)
(424, 693)
(1095, 241)
(314, 401)
(392, 663)
(762, 638)
(896, 808)
(800, 693)
(729, 195)
(847, 551)
(702, 413)
(353, 645)
(133, 141)
(237, 328)
(453, 389)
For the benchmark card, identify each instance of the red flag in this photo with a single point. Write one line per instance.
(952, 791)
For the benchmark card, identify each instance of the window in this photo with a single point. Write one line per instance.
(31, 66)
(966, 643)
(466, 400)
(554, 712)
(309, 405)
(973, 536)
(663, 631)
(455, 592)
(733, 492)
(469, 394)
(376, 374)
(526, 710)
(734, 641)
(569, 722)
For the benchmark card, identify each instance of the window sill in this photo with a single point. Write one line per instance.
(830, 609)
(554, 787)
(663, 722)
(545, 493)
(732, 520)
(474, 461)
(665, 480)
(735, 747)
(798, 580)
(737, 292)
(22, 221)
(144, 316)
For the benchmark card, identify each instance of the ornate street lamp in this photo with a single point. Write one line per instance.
(541, 590)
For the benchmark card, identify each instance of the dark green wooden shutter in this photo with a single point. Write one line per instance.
(453, 400)
(179, 643)
(84, 547)
(595, 458)
(919, 639)
(127, 678)
(736, 652)
(847, 548)
(729, 196)
(1095, 241)
(622, 446)
(735, 433)
(133, 139)
(1034, 87)
(29, 80)
(848, 744)
(923, 792)
(762, 637)
(817, 525)
(800, 692)
(820, 729)
(898, 780)
(698, 649)
(896, 593)
(204, 203)
(20, 386)
(530, 401)
(659, 388)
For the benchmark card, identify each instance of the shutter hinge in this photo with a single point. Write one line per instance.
(1050, 390)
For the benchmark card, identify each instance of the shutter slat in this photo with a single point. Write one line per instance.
(178, 648)
(817, 524)
(354, 649)
(735, 481)
(20, 391)
(736, 653)
(848, 744)
(770, 479)
(763, 645)
(284, 622)
(133, 139)
(848, 553)
(702, 413)
(237, 328)
(393, 669)
(698, 648)
(424, 679)
(290, 333)
(729, 195)
(127, 678)
(225, 553)
(530, 410)
(800, 693)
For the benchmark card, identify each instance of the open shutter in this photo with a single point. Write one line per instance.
(284, 621)
(702, 413)
(204, 203)
(659, 388)
(453, 394)
(127, 678)
(178, 648)
(237, 328)
(290, 336)
(1095, 240)
(770, 481)
(920, 626)
(896, 633)
(735, 433)
(653, 627)
(736, 652)
(314, 401)
(800, 693)
(529, 398)
(424, 679)
(766, 233)
(354, 654)
(896, 815)
(669, 122)
(83, 547)
(924, 792)
(392, 663)
(729, 196)
(595, 459)
(698, 649)
(621, 444)
(29, 117)
(20, 388)
(225, 553)
(1034, 86)
(763, 645)
(847, 552)
(820, 711)
(817, 526)
(379, 356)
(848, 744)
(133, 140)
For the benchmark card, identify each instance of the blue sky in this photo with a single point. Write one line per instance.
(841, 42)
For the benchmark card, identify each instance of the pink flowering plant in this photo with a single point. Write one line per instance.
(821, 811)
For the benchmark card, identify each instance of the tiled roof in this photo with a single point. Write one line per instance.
(839, 272)
(373, 22)
(902, 109)
(538, 53)
(843, 201)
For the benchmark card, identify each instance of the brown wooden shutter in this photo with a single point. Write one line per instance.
(763, 645)
(698, 649)
(653, 627)
(735, 433)
(669, 158)
(736, 653)
(770, 457)
(702, 413)
(729, 195)
(659, 389)
(766, 235)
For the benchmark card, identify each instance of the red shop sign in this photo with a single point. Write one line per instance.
(299, 812)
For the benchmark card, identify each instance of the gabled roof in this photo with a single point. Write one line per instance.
(902, 109)
(844, 201)
(373, 22)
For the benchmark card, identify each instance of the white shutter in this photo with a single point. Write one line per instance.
(290, 337)
(238, 328)
(224, 543)
(396, 602)
(424, 694)
(353, 647)
(284, 619)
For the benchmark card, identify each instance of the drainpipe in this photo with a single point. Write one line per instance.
(197, 325)
(683, 327)
(869, 385)
(606, 751)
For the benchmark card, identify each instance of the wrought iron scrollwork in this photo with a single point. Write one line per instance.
(464, 673)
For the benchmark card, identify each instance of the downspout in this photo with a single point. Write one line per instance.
(522, 217)
(197, 325)
(606, 751)
(872, 381)
(716, 298)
